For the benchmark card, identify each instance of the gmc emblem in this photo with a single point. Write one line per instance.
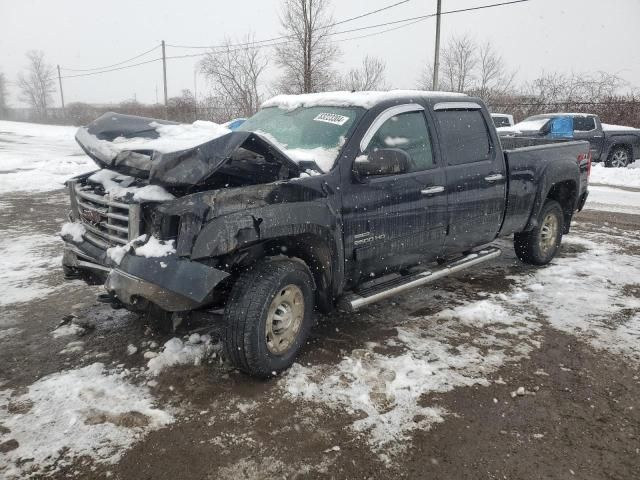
(90, 216)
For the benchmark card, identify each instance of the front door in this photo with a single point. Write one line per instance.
(395, 220)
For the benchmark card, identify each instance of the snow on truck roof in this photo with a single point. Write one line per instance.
(365, 99)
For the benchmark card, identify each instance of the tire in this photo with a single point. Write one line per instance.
(263, 299)
(618, 158)
(540, 245)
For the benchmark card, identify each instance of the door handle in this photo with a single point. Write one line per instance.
(432, 190)
(494, 178)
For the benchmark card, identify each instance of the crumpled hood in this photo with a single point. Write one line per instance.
(141, 147)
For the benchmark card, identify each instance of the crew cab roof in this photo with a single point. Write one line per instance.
(363, 99)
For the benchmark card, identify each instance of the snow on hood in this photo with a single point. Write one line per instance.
(531, 125)
(171, 154)
(347, 99)
(153, 136)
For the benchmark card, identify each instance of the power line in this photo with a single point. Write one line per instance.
(112, 69)
(113, 65)
(265, 43)
(350, 19)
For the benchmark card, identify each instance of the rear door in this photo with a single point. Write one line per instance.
(395, 220)
(476, 175)
(586, 128)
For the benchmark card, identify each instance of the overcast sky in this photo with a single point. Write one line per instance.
(539, 35)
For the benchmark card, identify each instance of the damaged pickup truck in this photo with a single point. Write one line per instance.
(318, 201)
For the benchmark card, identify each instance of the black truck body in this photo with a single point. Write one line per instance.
(376, 212)
(615, 145)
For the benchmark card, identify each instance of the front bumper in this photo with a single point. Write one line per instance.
(172, 283)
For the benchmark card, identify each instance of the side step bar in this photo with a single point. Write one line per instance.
(395, 286)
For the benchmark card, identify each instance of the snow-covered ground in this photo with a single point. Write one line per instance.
(39, 158)
(610, 199)
(616, 177)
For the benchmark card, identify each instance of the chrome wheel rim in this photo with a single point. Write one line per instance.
(548, 233)
(284, 319)
(619, 158)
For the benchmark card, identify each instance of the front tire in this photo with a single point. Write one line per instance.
(540, 245)
(618, 158)
(268, 316)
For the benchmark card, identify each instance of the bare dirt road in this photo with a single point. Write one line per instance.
(504, 371)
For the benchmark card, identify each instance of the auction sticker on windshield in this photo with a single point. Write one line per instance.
(331, 118)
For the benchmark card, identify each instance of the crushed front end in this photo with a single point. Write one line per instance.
(102, 246)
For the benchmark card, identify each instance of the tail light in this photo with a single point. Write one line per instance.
(587, 157)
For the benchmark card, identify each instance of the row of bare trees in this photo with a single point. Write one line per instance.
(307, 59)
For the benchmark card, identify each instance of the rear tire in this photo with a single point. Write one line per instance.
(618, 158)
(268, 316)
(540, 245)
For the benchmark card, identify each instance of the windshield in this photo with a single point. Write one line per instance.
(312, 134)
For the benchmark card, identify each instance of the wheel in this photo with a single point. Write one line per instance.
(618, 158)
(540, 245)
(268, 316)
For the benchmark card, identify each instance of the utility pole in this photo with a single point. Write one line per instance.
(64, 112)
(164, 77)
(195, 93)
(436, 60)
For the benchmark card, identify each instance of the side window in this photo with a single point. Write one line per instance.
(584, 124)
(408, 132)
(465, 136)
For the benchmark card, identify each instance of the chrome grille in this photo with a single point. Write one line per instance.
(108, 223)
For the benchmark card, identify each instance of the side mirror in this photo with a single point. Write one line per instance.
(384, 161)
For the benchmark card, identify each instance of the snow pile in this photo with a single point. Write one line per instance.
(178, 352)
(611, 199)
(156, 248)
(26, 262)
(112, 183)
(151, 248)
(75, 413)
(618, 177)
(39, 158)
(585, 295)
(75, 230)
(365, 99)
(172, 138)
(385, 391)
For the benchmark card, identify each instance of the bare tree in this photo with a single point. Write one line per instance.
(38, 84)
(493, 79)
(3, 96)
(458, 64)
(370, 76)
(308, 55)
(234, 73)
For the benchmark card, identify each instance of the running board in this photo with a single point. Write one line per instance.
(398, 285)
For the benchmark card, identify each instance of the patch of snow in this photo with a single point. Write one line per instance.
(111, 182)
(176, 352)
(156, 248)
(117, 253)
(611, 199)
(172, 138)
(324, 157)
(609, 127)
(384, 391)
(39, 158)
(395, 141)
(66, 330)
(366, 99)
(584, 295)
(616, 177)
(75, 230)
(529, 125)
(26, 261)
(75, 413)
